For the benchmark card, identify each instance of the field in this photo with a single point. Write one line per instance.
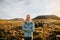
(12, 30)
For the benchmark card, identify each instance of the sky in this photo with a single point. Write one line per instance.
(20, 8)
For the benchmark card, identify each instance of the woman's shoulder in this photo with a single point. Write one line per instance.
(32, 22)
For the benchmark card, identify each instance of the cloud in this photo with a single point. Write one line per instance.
(19, 8)
(57, 10)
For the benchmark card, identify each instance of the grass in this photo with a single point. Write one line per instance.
(12, 29)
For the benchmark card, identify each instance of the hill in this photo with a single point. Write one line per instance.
(47, 17)
(17, 19)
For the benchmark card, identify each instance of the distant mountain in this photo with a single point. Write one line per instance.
(47, 17)
(17, 19)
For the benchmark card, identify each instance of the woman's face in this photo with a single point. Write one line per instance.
(28, 17)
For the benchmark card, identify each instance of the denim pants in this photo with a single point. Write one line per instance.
(27, 38)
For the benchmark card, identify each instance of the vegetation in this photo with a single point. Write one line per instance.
(45, 29)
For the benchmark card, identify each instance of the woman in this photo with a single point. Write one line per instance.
(28, 28)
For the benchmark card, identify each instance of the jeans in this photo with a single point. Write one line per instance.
(27, 38)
